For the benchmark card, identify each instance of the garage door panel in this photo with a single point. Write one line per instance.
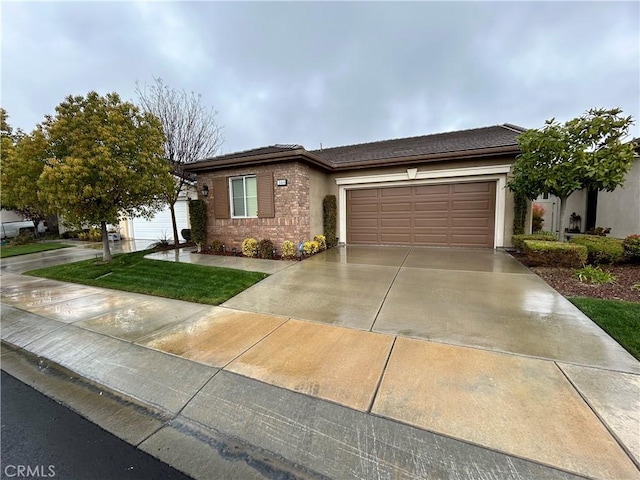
(394, 238)
(458, 205)
(480, 222)
(395, 222)
(442, 222)
(468, 240)
(432, 190)
(441, 239)
(364, 208)
(364, 222)
(365, 237)
(366, 194)
(443, 214)
(395, 192)
(395, 207)
(422, 206)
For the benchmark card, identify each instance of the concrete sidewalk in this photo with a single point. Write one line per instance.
(222, 392)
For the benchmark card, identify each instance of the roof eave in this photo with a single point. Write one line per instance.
(460, 154)
(291, 155)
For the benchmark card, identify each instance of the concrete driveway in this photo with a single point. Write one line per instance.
(476, 298)
(359, 362)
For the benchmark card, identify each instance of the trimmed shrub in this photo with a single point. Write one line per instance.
(288, 249)
(600, 249)
(518, 240)
(266, 248)
(322, 242)
(555, 254)
(198, 219)
(250, 247)
(519, 213)
(186, 234)
(310, 247)
(329, 220)
(216, 246)
(631, 247)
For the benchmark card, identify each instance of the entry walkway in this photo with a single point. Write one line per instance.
(341, 399)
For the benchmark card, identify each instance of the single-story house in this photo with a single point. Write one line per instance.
(618, 210)
(446, 189)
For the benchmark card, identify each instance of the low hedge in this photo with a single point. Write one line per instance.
(518, 240)
(631, 246)
(556, 254)
(600, 249)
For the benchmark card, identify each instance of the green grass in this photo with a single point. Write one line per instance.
(619, 319)
(12, 251)
(131, 272)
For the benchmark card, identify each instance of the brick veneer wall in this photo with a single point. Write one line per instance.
(291, 221)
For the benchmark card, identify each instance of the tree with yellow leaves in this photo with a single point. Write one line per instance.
(105, 161)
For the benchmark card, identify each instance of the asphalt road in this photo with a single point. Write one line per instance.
(43, 439)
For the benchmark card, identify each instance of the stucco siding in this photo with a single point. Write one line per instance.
(620, 209)
(318, 188)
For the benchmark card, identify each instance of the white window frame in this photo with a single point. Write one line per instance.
(244, 187)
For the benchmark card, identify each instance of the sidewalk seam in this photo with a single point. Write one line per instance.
(384, 299)
(619, 441)
(384, 369)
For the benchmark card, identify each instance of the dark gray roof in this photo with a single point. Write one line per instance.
(498, 139)
(278, 148)
(459, 141)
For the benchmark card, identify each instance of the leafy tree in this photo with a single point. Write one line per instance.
(191, 133)
(585, 152)
(106, 161)
(22, 166)
(7, 152)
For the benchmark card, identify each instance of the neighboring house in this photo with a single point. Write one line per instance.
(447, 189)
(618, 210)
(159, 227)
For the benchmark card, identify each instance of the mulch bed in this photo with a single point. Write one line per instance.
(561, 279)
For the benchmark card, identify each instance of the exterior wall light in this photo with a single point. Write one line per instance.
(205, 191)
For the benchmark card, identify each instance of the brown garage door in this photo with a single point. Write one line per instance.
(456, 214)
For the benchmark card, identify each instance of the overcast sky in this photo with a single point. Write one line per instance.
(336, 73)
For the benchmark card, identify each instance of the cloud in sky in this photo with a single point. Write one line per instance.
(336, 73)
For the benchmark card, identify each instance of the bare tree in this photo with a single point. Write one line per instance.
(191, 132)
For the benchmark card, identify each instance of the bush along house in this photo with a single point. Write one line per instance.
(446, 189)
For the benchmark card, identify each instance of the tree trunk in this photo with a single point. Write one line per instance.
(106, 251)
(563, 209)
(176, 240)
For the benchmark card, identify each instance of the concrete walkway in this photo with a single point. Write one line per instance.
(417, 364)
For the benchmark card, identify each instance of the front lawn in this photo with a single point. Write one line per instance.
(13, 250)
(619, 319)
(131, 272)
